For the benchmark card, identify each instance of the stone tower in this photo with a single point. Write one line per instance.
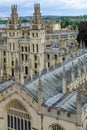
(37, 40)
(14, 32)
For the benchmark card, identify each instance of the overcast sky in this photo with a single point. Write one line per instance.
(48, 7)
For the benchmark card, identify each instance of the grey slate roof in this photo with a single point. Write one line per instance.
(6, 84)
(66, 101)
(52, 86)
(52, 81)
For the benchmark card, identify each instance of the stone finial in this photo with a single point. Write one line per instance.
(30, 68)
(40, 94)
(72, 72)
(79, 105)
(46, 62)
(16, 64)
(22, 74)
(39, 66)
(30, 64)
(84, 64)
(79, 69)
(64, 80)
(81, 44)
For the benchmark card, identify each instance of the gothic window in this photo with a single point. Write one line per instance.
(12, 63)
(26, 70)
(26, 57)
(13, 46)
(22, 57)
(35, 57)
(35, 65)
(57, 127)
(22, 49)
(37, 47)
(32, 34)
(36, 34)
(48, 64)
(9, 46)
(10, 34)
(4, 53)
(18, 118)
(12, 72)
(68, 114)
(25, 49)
(33, 47)
(48, 56)
(13, 34)
(55, 57)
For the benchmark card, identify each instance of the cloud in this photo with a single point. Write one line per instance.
(56, 7)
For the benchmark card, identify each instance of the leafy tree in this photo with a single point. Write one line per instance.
(82, 32)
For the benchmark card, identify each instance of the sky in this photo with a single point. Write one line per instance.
(48, 7)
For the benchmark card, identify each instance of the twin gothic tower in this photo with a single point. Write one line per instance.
(25, 46)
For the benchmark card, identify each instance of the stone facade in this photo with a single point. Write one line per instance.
(28, 46)
(25, 53)
(40, 119)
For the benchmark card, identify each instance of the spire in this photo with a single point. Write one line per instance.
(40, 94)
(53, 61)
(81, 44)
(16, 71)
(39, 65)
(84, 64)
(16, 64)
(64, 80)
(22, 74)
(1, 68)
(30, 68)
(72, 72)
(79, 105)
(84, 45)
(47, 64)
(79, 69)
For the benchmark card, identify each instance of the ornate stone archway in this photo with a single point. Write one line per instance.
(56, 127)
(17, 117)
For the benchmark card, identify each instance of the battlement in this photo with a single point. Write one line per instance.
(37, 5)
(14, 8)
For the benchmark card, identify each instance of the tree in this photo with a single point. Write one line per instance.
(82, 33)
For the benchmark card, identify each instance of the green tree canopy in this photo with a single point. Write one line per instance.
(82, 32)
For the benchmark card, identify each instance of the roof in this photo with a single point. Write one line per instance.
(6, 84)
(66, 101)
(52, 86)
(52, 81)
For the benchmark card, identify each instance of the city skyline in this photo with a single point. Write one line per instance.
(52, 7)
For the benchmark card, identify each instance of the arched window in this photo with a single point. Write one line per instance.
(26, 57)
(33, 47)
(48, 56)
(37, 47)
(13, 46)
(18, 117)
(26, 70)
(9, 46)
(57, 127)
(22, 57)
